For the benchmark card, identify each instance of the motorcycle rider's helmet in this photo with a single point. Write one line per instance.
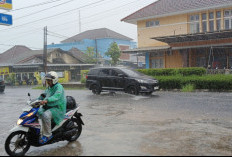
(52, 76)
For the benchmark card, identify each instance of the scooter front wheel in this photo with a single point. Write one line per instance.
(17, 144)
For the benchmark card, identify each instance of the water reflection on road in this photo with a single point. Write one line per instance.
(167, 123)
(60, 149)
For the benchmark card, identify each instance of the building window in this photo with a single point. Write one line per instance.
(152, 23)
(157, 63)
(228, 19)
(204, 22)
(211, 26)
(58, 55)
(211, 21)
(157, 54)
(201, 62)
(194, 24)
(219, 15)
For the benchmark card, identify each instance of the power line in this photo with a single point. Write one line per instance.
(88, 5)
(43, 10)
(54, 15)
(94, 15)
(35, 5)
(27, 32)
(57, 35)
(108, 16)
(110, 9)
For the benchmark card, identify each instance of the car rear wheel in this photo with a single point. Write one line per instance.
(96, 89)
(148, 94)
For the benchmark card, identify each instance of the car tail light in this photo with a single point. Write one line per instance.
(86, 76)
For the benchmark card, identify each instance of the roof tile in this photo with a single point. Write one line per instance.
(164, 7)
(96, 34)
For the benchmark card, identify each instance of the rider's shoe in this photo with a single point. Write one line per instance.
(45, 139)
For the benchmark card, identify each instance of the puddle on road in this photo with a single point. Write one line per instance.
(64, 149)
(184, 139)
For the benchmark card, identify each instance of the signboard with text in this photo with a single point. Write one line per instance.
(6, 19)
(6, 4)
(4, 71)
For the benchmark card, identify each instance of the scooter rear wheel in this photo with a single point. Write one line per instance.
(78, 126)
(17, 144)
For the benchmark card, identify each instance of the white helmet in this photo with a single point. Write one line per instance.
(52, 76)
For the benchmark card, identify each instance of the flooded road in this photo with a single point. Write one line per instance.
(166, 123)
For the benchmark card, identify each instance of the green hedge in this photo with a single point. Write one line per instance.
(171, 72)
(173, 78)
(83, 74)
(211, 82)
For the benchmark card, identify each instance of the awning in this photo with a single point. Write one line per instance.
(147, 49)
(195, 37)
(226, 45)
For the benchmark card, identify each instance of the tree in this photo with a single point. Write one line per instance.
(114, 52)
(91, 59)
(90, 52)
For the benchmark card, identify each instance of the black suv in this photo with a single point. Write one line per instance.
(120, 79)
(2, 86)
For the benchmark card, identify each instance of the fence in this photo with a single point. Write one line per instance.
(219, 71)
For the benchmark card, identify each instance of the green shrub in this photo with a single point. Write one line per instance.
(211, 82)
(158, 72)
(192, 71)
(171, 72)
(83, 75)
(188, 88)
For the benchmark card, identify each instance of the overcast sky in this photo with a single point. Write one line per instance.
(62, 19)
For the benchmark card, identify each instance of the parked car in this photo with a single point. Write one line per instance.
(2, 86)
(120, 79)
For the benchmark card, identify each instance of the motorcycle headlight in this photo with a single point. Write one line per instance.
(30, 114)
(19, 121)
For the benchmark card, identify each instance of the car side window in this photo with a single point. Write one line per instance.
(114, 73)
(105, 72)
(93, 72)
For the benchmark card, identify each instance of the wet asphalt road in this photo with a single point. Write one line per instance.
(166, 123)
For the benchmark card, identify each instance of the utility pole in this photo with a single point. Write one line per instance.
(96, 50)
(137, 60)
(45, 50)
(79, 21)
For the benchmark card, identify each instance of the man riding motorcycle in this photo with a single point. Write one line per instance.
(54, 106)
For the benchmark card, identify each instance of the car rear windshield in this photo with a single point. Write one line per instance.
(132, 73)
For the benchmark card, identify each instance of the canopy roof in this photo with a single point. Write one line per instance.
(195, 37)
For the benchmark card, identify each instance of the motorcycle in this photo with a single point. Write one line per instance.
(27, 131)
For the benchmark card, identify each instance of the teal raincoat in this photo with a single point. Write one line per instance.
(56, 103)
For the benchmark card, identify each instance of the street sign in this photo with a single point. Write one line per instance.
(6, 19)
(6, 4)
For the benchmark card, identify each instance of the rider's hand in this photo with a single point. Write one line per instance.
(43, 102)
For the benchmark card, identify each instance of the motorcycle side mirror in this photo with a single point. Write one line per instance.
(29, 95)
